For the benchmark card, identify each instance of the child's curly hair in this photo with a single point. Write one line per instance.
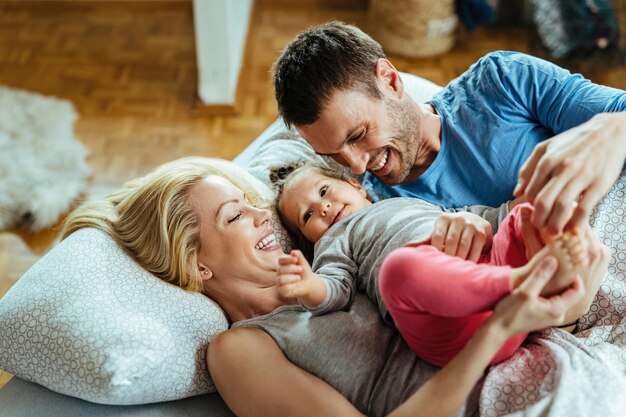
(281, 176)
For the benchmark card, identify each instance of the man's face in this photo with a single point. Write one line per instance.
(363, 133)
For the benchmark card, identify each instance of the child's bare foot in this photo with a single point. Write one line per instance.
(568, 250)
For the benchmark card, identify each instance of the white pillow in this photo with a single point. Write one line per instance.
(87, 321)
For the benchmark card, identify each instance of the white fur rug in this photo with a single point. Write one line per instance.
(42, 165)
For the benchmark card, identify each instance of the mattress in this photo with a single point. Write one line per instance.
(21, 398)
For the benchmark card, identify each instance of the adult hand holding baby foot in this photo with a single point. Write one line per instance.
(598, 256)
(526, 309)
(296, 279)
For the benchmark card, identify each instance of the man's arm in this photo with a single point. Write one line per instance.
(255, 379)
(579, 165)
(589, 123)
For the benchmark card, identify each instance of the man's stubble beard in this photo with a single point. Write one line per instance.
(406, 137)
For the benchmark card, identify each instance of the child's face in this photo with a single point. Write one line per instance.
(313, 202)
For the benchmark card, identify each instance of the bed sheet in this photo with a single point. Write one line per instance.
(557, 374)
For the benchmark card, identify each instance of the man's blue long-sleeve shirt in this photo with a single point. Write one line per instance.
(492, 117)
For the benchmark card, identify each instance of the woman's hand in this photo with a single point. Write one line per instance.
(295, 278)
(524, 310)
(599, 256)
(578, 165)
(461, 234)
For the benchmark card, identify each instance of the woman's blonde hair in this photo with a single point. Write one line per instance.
(152, 218)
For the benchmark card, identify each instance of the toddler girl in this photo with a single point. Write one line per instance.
(436, 301)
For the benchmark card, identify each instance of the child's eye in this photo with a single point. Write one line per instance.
(323, 190)
(234, 219)
(307, 216)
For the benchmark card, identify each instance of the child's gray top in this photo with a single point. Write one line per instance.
(349, 255)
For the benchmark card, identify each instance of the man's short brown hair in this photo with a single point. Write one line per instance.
(320, 61)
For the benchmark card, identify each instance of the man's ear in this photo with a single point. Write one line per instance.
(205, 272)
(388, 78)
(356, 184)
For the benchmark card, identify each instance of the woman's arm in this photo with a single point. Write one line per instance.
(522, 311)
(445, 393)
(255, 379)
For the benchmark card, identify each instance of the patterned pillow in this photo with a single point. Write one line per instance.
(89, 322)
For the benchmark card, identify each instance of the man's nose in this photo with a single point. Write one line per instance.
(357, 161)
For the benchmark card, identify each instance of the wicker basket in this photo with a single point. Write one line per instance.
(413, 28)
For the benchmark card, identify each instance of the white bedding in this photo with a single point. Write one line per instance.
(557, 374)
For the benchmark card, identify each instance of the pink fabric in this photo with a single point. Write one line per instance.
(439, 301)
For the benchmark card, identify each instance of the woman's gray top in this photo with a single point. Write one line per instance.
(354, 351)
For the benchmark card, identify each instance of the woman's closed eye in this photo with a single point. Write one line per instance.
(234, 218)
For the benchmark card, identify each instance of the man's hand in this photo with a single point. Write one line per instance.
(578, 165)
(463, 234)
(296, 279)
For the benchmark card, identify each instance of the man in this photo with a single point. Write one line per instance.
(398, 141)
(511, 122)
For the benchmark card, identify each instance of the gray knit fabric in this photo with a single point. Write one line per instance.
(348, 257)
(354, 351)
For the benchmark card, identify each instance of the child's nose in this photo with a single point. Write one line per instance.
(324, 206)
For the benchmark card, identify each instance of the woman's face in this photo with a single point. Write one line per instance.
(237, 242)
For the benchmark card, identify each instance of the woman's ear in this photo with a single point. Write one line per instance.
(356, 184)
(388, 78)
(205, 272)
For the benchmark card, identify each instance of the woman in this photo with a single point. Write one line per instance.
(195, 224)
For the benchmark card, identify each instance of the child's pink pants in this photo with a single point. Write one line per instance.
(439, 301)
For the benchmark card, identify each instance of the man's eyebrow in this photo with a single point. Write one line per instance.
(349, 136)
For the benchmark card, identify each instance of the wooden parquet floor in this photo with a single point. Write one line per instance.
(129, 68)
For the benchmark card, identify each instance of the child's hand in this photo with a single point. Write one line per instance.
(463, 234)
(296, 279)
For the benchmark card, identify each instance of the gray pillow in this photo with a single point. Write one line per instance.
(88, 321)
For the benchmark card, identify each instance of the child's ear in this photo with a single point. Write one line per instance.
(356, 184)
